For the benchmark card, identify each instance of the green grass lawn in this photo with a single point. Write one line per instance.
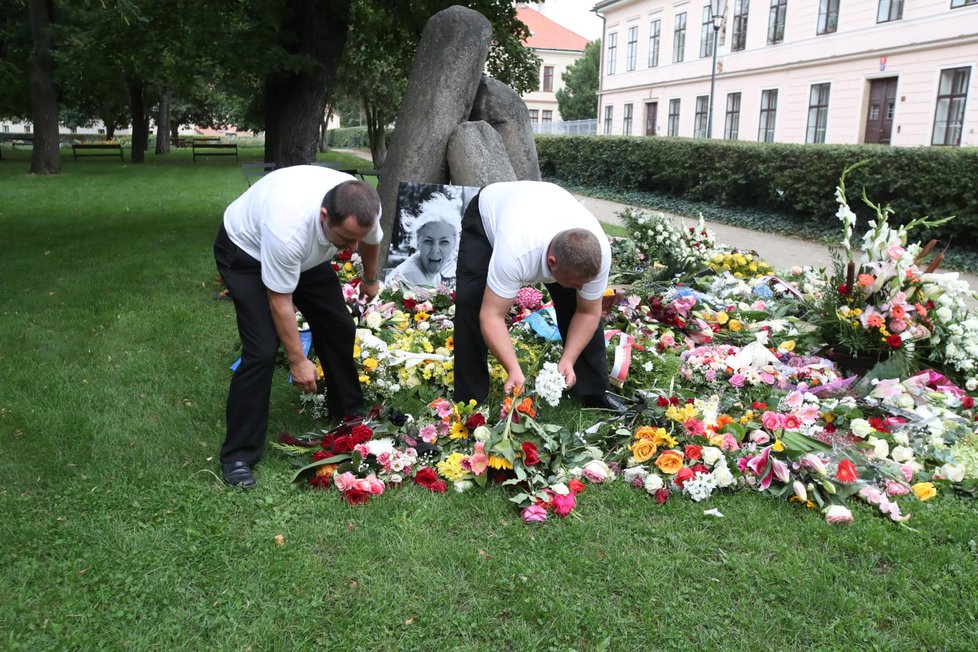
(117, 533)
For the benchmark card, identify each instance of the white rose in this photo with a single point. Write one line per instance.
(904, 401)
(972, 384)
(482, 434)
(629, 474)
(901, 438)
(860, 428)
(902, 454)
(653, 483)
(881, 447)
(953, 472)
(944, 313)
(462, 485)
(712, 455)
(560, 489)
(723, 476)
(374, 320)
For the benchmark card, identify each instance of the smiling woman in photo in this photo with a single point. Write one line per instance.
(434, 239)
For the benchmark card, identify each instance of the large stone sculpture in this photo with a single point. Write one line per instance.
(454, 124)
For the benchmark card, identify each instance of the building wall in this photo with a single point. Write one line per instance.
(543, 101)
(929, 38)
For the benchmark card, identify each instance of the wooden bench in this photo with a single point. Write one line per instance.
(255, 171)
(214, 149)
(97, 149)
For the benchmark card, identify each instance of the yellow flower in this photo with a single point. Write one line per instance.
(924, 490)
(348, 267)
(787, 345)
(670, 462)
(356, 350)
(451, 468)
(663, 438)
(735, 325)
(645, 432)
(497, 462)
(642, 450)
(420, 316)
(458, 431)
(371, 363)
(722, 318)
(777, 447)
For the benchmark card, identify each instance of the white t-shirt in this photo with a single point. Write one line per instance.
(521, 218)
(276, 222)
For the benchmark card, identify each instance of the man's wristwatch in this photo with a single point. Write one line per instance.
(368, 281)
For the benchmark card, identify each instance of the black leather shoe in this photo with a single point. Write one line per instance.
(238, 474)
(604, 402)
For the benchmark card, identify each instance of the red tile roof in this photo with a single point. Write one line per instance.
(545, 34)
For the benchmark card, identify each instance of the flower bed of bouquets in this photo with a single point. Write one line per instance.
(728, 372)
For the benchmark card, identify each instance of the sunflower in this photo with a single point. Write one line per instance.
(499, 463)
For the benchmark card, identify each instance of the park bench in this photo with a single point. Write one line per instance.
(187, 141)
(363, 174)
(97, 149)
(255, 171)
(214, 149)
(332, 165)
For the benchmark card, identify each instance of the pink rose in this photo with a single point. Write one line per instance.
(771, 420)
(344, 481)
(896, 488)
(759, 437)
(534, 514)
(563, 503)
(597, 471)
(838, 515)
(737, 380)
(730, 442)
(907, 472)
(871, 495)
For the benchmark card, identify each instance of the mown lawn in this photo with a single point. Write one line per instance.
(118, 534)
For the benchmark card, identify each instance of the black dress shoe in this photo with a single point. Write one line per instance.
(604, 402)
(238, 474)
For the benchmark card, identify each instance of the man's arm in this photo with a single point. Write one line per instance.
(492, 319)
(283, 314)
(582, 327)
(368, 257)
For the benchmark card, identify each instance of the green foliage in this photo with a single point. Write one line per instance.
(793, 181)
(348, 138)
(578, 99)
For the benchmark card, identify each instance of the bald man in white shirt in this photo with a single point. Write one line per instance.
(519, 233)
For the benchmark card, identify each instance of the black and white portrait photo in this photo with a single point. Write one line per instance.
(424, 243)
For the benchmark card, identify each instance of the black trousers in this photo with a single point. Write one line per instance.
(320, 299)
(471, 370)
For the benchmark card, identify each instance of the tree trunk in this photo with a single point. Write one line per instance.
(294, 101)
(163, 123)
(140, 128)
(109, 130)
(377, 136)
(46, 156)
(324, 130)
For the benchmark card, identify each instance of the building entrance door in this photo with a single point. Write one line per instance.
(882, 106)
(651, 112)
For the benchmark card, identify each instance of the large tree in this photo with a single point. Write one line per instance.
(46, 156)
(578, 99)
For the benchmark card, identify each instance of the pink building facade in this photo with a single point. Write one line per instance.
(792, 71)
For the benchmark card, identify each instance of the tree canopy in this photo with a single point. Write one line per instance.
(578, 99)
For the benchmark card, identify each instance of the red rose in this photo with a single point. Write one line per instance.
(576, 486)
(693, 452)
(878, 423)
(356, 495)
(674, 400)
(320, 455)
(410, 304)
(662, 401)
(699, 468)
(759, 405)
(683, 475)
(843, 289)
(428, 478)
(530, 455)
(967, 402)
(320, 481)
(662, 495)
(343, 444)
(361, 434)
(847, 472)
(475, 421)
(894, 341)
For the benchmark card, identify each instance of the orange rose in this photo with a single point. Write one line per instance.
(645, 432)
(669, 462)
(643, 449)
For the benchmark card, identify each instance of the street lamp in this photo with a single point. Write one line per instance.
(717, 8)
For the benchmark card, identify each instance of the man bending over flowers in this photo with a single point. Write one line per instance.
(273, 251)
(518, 233)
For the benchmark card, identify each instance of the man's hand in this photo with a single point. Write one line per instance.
(514, 381)
(368, 290)
(566, 369)
(304, 375)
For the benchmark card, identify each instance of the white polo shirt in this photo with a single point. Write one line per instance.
(276, 222)
(521, 218)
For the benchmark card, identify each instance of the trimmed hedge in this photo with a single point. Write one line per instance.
(795, 180)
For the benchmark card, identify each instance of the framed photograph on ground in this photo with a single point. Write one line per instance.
(427, 228)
